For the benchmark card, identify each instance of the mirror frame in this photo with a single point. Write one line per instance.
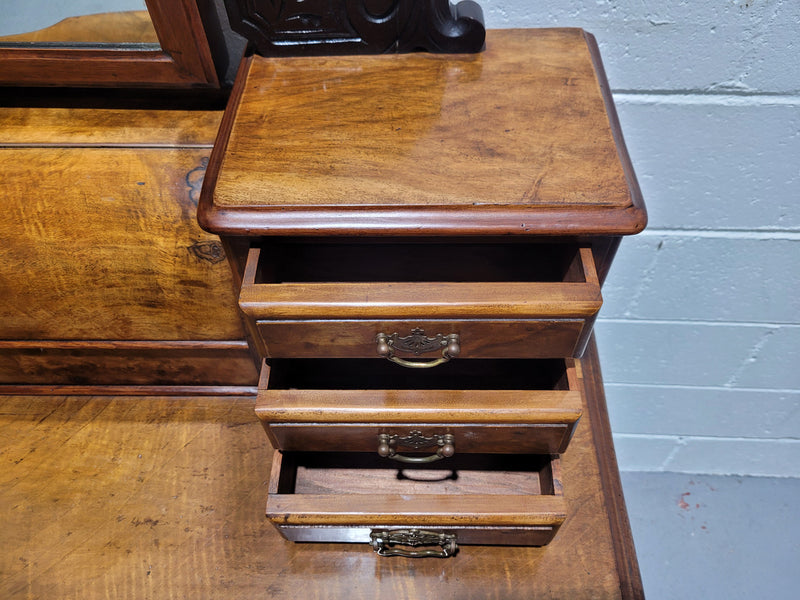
(184, 59)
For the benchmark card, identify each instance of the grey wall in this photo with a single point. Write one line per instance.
(699, 334)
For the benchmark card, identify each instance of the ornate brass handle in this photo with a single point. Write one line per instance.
(384, 542)
(418, 343)
(387, 446)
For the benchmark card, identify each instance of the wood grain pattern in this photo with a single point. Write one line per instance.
(151, 362)
(349, 338)
(431, 406)
(104, 245)
(421, 300)
(624, 550)
(422, 510)
(473, 493)
(66, 127)
(164, 497)
(526, 438)
(493, 421)
(469, 144)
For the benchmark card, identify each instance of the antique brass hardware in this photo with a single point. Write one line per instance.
(384, 542)
(418, 343)
(387, 446)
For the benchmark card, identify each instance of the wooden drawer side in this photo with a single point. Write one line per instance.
(575, 293)
(343, 495)
(537, 416)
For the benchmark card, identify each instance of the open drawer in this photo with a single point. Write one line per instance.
(420, 300)
(367, 405)
(476, 499)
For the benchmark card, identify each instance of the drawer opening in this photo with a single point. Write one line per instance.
(323, 473)
(377, 374)
(342, 262)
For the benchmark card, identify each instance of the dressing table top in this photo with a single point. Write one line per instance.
(519, 139)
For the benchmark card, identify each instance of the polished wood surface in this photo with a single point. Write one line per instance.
(105, 276)
(105, 246)
(480, 498)
(538, 418)
(430, 406)
(499, 305)
(465, 144)
(487, 421)
(125, 362)
(478, 338)
(108, 127)
(162, 497)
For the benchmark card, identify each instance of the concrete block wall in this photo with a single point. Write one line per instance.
(700, 332)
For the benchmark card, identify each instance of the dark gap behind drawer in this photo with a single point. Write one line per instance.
(370, 374)
(361, 473)
(319, 262)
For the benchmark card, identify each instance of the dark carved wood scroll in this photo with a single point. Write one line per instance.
(321, 27)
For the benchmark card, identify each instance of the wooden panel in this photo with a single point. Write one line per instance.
(477, 339)
(427, 406)
(420, 299)
(523, 438)
(438, 140)
(165, 497)
(471, 144)
(103, 244)
(345, 489)
(496, 421)
(502, 536)
(107, 127)
(429, 300)
(126, 363)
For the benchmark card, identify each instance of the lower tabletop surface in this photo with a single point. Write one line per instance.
(162, 497)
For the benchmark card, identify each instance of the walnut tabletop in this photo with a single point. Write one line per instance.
(163, 497)
(519, 139)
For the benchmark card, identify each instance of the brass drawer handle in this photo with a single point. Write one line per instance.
(387, 446)
(417, 343)
(384, 542)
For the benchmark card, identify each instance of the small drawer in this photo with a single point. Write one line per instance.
(477, 499)
(462, 407)
(338, 300)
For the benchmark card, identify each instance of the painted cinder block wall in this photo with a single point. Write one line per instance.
(699, 334)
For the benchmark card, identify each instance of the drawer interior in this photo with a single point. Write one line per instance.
(380, 261)
(377, 374)
(323, 473)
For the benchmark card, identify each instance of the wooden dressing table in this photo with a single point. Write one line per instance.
(456, 214)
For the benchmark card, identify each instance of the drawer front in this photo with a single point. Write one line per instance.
(344, 498)
(503, 312)
(533, 338)
(419, 440)
(481, 536)
(338, 412)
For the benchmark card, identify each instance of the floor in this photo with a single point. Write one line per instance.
(709, 537)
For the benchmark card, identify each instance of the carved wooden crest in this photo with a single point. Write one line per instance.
(309, 27)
